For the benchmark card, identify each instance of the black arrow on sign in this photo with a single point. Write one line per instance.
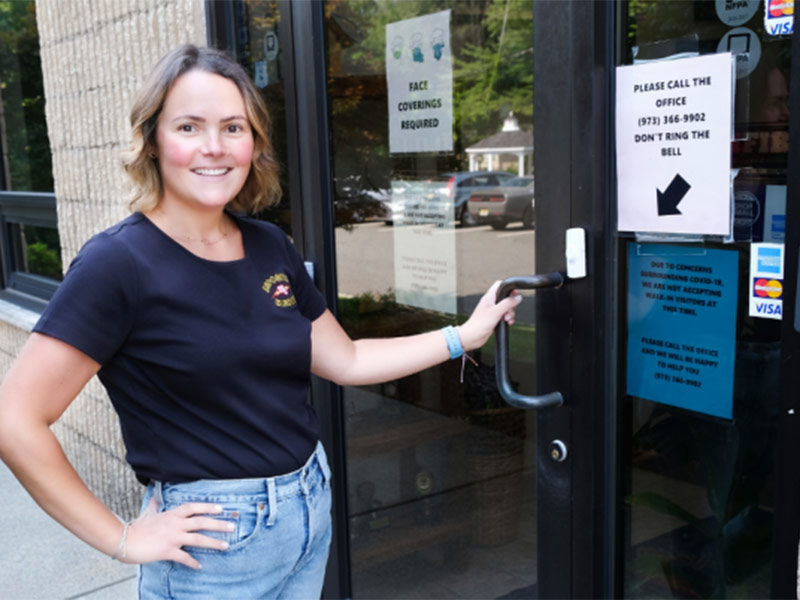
(668, 201)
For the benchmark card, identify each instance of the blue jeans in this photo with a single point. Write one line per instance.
(278, 549)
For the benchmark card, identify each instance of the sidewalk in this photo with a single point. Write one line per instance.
(39, 559)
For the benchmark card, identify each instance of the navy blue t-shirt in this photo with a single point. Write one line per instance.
(207, 363)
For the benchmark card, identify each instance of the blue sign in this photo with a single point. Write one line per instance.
(769, 260)
(682, 326)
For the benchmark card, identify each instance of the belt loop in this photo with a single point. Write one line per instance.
(159, 495)
(272, 498)
(304, 481)
(322, 463)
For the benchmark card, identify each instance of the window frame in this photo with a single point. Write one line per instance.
(36, 208)
(24, 208)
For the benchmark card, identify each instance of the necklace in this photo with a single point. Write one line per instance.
(202, 240)
(192, 239)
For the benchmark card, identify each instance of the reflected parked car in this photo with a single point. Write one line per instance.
(513, 201)
(461, 186)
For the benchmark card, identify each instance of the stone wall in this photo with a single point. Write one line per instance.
(95, 53)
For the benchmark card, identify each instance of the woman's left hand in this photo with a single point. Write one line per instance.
(480, 325)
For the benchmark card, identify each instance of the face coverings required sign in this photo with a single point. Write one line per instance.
(419, 80)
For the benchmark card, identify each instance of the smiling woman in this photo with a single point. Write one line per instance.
(204, 151)
(204, 327)
(204, 141)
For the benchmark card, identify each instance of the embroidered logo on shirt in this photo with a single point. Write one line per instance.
(280, 290)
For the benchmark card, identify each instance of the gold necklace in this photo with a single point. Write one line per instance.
(203, 240)
(188, 238)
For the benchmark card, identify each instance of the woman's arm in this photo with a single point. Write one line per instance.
(44, 379)
(336, 357)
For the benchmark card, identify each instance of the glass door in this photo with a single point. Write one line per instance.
(700, 326)
(430, 107)
(410, 144)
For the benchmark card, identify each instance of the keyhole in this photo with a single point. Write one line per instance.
(558, 451)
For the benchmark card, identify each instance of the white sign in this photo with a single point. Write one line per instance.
(766, 281)
(673, 127)
(419, 80)
(425, 252)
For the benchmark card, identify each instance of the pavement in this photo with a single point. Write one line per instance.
(40, 560)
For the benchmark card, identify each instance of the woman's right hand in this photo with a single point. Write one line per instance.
(158, 535)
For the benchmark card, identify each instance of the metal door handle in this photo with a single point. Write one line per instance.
(531, 282)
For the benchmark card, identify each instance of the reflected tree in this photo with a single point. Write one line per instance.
(23, 129)
(492, 47)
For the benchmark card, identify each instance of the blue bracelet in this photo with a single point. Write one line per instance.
(453, 341)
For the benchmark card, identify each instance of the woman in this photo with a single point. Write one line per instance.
(204, 328)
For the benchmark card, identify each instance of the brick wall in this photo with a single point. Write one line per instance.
(95, 53)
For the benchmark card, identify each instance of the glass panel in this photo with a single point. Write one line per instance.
(38, 251)
(26, 164)
(699, 499)
(431, 114)
(258, 50)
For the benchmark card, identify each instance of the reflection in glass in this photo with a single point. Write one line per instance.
(26, 164)
(37, 251)
(441, 473)
(258, 50)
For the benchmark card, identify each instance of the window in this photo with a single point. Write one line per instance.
(30, 249)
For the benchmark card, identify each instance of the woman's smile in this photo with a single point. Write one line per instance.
(205, 143)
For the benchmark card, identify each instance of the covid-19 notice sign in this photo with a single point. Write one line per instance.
(682, 326)
(419, 81)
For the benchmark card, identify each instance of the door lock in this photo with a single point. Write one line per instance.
(558, 450)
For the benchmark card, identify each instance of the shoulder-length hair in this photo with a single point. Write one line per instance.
(262, 187)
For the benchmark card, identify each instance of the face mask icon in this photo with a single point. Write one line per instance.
(416, 48)
(437, 43)
(397, 47)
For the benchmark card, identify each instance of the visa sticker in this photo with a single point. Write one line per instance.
(766, 277)
(779, 17)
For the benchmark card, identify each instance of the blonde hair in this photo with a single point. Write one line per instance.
(262, 187)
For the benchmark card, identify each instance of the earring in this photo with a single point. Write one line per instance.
(153, 155)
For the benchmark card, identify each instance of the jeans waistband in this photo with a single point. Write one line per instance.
(271, 489)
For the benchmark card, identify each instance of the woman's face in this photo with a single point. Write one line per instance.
(204, 141)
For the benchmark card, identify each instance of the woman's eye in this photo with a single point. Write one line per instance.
(187, 127)
(234, 128)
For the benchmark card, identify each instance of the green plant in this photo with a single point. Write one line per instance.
(44, 261)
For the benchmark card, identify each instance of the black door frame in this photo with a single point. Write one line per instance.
(313, 223)
(577, 499)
